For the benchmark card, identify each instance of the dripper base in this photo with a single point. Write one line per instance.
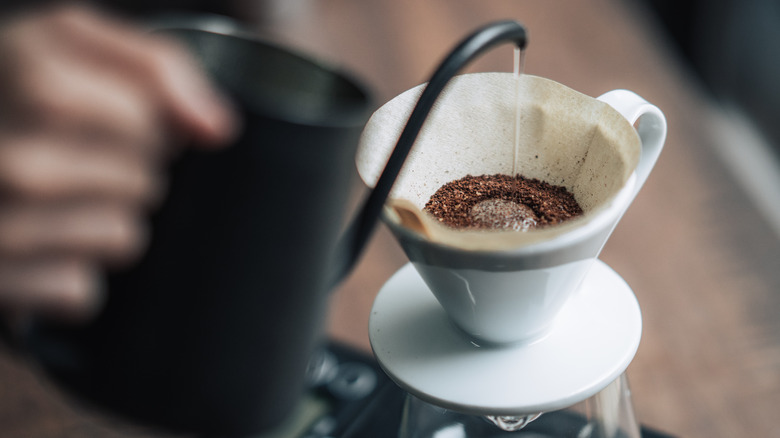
(592, 342)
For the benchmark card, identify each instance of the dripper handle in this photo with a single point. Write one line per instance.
(650, 124)
(357, 234)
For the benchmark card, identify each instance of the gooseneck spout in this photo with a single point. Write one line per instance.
(357, 234)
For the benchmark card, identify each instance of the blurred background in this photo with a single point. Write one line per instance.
(700, 246)
(728, 47)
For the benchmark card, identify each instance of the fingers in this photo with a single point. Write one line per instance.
(65, 212)
(161, 68)
(51, 255)
(90, 230)
(61, 287)
(90, 108)
(201, 114)
(77, 71)
(42, 168)
(57, 99)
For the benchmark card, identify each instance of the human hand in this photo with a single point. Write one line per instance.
(90, 108)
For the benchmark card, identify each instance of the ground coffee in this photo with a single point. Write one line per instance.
(502, 202)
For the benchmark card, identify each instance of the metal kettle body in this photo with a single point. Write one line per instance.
(213, 329)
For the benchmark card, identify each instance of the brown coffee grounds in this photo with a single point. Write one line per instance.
(502, 202)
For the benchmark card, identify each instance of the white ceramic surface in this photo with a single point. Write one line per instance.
(593, 339)
(504, 307)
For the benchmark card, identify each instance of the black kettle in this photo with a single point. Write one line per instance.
(211, 332)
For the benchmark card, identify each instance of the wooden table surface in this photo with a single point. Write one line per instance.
(703, 263)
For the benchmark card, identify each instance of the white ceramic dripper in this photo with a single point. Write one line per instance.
(506, 286)
(540, 325)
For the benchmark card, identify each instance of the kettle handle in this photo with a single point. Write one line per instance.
(357, 234)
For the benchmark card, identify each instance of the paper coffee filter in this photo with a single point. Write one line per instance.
(565, 138)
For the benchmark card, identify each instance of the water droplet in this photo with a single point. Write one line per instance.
(509, 423)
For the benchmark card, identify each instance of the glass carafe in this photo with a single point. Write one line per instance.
(607, 414)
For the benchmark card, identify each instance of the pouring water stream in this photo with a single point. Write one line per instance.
(519, 67)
